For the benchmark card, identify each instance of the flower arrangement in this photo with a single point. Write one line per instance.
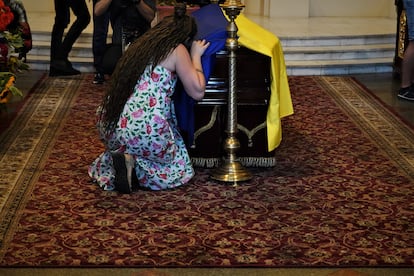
(6, 16)
(11, 45)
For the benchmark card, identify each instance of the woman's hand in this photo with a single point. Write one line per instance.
(198, 48)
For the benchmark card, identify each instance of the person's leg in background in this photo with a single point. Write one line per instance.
(62, 19)
(407, 81)
(117, 35)
(80, 10)
(60, 64)
(100, 34)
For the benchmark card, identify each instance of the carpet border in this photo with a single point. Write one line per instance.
(387, 106)
(387, 141)
(23, 185)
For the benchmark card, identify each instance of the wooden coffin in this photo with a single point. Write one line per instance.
(253, 93)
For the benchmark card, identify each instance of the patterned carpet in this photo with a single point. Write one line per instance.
(340, 195)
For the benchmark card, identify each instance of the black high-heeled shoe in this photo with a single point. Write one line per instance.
(124, 167)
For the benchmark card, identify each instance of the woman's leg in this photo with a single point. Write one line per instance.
(62, 18)
(83, 18)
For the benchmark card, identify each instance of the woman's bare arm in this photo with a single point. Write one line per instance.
(145, 10)
(101, 7)
(189, 69)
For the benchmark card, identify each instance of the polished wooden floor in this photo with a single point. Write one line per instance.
(385, 86)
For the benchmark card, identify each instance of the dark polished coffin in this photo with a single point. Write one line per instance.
(253, 93)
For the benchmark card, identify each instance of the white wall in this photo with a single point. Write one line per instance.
(360, 8)
(38, 5)
(316, 8)
(46, 6)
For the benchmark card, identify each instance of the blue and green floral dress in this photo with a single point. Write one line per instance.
(147, 129)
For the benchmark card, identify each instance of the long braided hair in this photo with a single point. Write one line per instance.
(149, 49)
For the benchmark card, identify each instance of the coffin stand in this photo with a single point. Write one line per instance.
(253, 92)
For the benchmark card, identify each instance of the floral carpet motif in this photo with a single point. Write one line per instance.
(341, 193)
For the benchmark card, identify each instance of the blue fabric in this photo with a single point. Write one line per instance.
(409, 13)
(211, 25)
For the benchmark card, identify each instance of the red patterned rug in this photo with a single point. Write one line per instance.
(341, 194)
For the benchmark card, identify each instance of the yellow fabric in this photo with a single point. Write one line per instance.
(258, 39)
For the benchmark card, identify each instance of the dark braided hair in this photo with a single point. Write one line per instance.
(149, 49)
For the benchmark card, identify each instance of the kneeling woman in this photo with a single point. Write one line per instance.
(137, 121)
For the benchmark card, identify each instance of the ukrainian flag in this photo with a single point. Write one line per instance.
(212, 24)
(258, 39)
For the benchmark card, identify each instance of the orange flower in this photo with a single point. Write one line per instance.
(10, 82)
(5, 95)
(7, 92)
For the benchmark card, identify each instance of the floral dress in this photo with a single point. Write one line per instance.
(147, 129)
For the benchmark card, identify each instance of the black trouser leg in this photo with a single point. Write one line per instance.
(62, 19)
(83, 18)
(100, 34)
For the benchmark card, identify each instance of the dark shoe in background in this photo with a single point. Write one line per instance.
(99, 78)
(62, 68)
(406, 93)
